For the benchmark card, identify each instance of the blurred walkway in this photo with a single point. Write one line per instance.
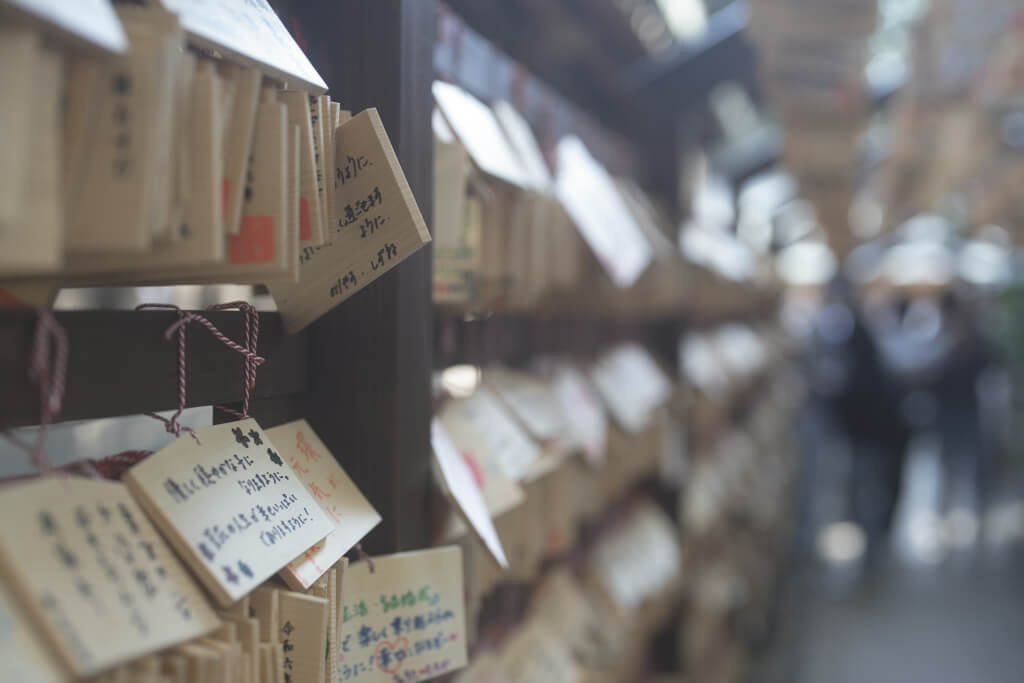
(960, 620)
(934, 625)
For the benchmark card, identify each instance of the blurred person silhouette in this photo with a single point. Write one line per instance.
(932, 343)
(957, 389)
(864, 399)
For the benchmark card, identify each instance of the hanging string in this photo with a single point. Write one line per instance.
(252, 335)
(361, 554)
(184, 318)
(48, 367)
(172, 425)
(113, 466)
(48, 370)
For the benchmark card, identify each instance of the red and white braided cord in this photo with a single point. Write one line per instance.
(252, 359)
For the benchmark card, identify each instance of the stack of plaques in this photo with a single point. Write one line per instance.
(811, 57)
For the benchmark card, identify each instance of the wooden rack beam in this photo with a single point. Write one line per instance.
(512, 339)
(121, 364)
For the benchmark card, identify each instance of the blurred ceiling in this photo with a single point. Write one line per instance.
(576, 45)
(593, 53)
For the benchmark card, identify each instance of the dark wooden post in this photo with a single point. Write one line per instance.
(371, 358)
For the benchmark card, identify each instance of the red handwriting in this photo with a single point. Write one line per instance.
(305, 448)
(382, 654)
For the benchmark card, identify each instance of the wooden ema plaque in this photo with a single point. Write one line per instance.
(197, 235)
(404, 619)
(537, 654)
(92, 571)
(465, 489)
(640, 559)
(231, 506)
(31, 211)
(91, 23)
(311, 221)
(378, 225)
(122, 200)
(237, 143)
(481, 427)
(601, 215)
(530, 400)
(350, 513)
(632, 385)
(302, 631)
(484, 454)
(585, 418)
(24, 656)
(249, 32)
